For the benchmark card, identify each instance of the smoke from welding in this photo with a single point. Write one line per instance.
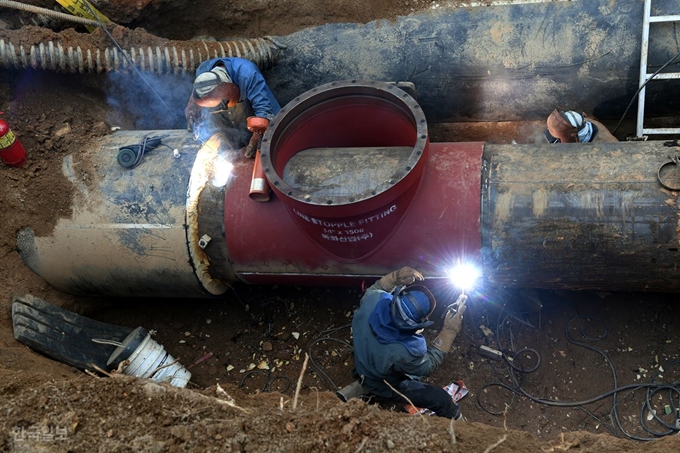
(152, 102)
(158, 102)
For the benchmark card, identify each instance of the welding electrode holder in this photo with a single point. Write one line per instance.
(452, 308)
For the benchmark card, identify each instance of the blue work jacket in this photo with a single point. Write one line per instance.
(393, 362)
(248, 78)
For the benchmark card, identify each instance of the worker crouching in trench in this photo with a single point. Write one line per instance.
(391, 355)
(573, 127)
(231, 96)
(565, 126)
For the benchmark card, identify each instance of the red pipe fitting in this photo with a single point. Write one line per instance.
(340, 124)
(403, 201)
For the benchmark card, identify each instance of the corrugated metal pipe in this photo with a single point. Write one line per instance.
(178, 59)
(170, 57)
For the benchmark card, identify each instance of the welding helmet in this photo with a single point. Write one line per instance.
(412, 306)
(568, 127)
(213, 87)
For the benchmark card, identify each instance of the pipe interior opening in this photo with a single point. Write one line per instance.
(345, 143)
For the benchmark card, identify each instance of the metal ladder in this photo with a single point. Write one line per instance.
(645, 76)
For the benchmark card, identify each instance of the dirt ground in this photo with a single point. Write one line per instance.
(569, 353)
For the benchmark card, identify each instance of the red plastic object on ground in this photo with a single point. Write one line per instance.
(12, 152)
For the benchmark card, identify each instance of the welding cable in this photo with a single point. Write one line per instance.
(651, 388)
(509, 358)
(614, 393)
(130, 62)
(648, 406)
(323, 336)
(614, 414)
(130, 156)
(548, 402)
(601, 422)
(506, 357)
(499, 323)
(640, 89)
(327, 332)
(672, 389)
(268, 380)
(519, 390)
(318, 368)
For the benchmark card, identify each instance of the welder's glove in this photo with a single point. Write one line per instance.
(404, 276)
(257, 124)
(452, 325)
(251, 148)
(454, 318)
(192, 112)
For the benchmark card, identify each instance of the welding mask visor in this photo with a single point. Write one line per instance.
(412, 306)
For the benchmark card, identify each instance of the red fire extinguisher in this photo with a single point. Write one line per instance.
(12, 152)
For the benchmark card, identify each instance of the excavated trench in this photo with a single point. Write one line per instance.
(582, 343)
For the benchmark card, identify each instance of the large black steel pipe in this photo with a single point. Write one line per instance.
(570, 216)
(580, 217)
(562, 217)
(508, 60)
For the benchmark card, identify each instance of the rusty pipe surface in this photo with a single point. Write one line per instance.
(574, 216)
(504, 61)
(135, 232)
(166, 228)
(590, 216)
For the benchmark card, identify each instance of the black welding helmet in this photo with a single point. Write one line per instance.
(412, 306)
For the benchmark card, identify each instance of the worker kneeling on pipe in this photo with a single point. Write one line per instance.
(390, 349)
(230, 95)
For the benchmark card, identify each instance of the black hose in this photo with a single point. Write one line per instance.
(127, 58)
(516, 373)
(640, 89)
(318, 368)
(268, 381)
(131, 155)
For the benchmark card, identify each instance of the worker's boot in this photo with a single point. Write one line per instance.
(353, 390)
(457, 414)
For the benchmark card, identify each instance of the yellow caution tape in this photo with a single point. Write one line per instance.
(80, 9)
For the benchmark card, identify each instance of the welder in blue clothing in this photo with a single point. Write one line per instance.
(231, 96)
(389, 346)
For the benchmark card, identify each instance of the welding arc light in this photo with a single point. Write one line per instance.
(463, 276)
(222, 171)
